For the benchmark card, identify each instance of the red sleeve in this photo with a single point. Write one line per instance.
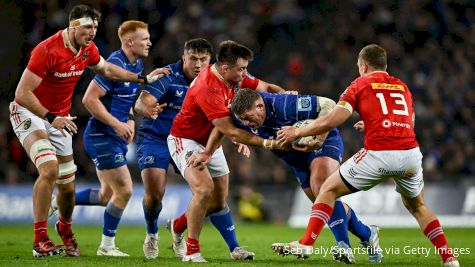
(39, 60)
(349, 95)
(95, 56)
(213, 103)
(249, 82)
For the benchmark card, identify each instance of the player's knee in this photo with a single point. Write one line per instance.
(126, 193)
(48, 171)
(67, 172)
(155, 193)
(152, 198)
(204, 191)
(42, 151)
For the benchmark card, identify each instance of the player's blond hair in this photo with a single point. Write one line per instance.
(130, 26)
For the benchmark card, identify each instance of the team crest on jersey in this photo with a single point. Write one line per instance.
(304, 103)
(84, 56)
(27, 124)
(118, 158)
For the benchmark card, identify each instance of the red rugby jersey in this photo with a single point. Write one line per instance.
(208, 98)
(386, 106)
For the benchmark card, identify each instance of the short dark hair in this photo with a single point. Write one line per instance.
(199, 45)
(375, 56)
(84, 11)
(230, 51)
(244, 100)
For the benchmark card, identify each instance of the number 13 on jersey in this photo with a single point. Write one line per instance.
(399, 103)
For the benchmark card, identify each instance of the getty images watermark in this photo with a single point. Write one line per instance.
(406, 250)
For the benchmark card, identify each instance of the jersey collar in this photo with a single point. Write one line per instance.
(68, 44)
(215, 71)
(378, 71)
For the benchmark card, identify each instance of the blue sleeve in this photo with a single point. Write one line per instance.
(159, 87)
(293, 108)
(104, 83)
(307, 107)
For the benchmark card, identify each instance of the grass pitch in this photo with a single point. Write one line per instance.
(402, 247)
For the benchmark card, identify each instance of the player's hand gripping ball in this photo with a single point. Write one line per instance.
(314, 141)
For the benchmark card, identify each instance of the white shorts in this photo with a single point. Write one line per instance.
(180, 149)
(368, 168)
(25, 122)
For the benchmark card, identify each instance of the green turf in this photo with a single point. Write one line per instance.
(16, 244)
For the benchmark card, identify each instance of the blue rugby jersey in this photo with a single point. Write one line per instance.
(285, 110)
(120, 96)
(170, 89)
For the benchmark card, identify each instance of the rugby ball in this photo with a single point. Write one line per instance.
(301, 141)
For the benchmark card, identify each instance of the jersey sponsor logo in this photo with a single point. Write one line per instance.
(179, 93)
(387, 86)
(175, 107)
(387, 123)
(127, 84)
(400, 124)
(304, 103)
(126, 95)
(68, 74)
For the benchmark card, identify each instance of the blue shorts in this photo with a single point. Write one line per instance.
(332, 148)
(106, 151)
(153, 153)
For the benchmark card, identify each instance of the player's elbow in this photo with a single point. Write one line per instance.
(138, 108)
(86, 101)
(19, 95)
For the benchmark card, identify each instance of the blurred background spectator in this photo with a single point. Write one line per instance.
(309, 46)
(250, 204)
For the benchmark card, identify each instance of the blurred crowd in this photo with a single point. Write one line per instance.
(308, 46)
